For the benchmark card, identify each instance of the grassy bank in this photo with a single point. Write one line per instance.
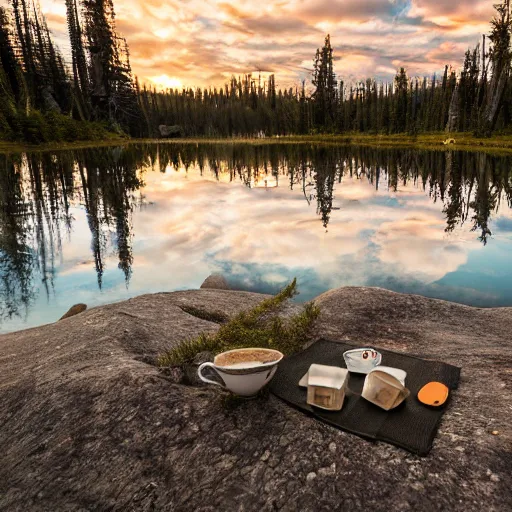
(52, 130)
(501, 143)
(463, 141)
(19, 147)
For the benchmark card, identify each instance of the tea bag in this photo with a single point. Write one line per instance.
(384, 390)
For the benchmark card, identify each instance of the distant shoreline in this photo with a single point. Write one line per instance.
(431, 141)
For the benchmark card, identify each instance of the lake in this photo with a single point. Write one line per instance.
(104, 224)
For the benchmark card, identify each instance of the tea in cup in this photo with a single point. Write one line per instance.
(244, 371)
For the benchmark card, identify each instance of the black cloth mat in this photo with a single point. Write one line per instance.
(411, 425)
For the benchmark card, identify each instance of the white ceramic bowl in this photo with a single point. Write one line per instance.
(362, 360)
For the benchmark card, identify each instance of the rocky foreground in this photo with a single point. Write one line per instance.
(87, 422)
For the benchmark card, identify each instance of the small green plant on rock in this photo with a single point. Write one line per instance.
(258, 327)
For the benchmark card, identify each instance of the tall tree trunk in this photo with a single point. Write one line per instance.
(493, 103)
(453, 112)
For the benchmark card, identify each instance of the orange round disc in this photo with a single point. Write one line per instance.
(433, 393)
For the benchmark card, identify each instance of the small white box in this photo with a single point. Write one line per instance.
(385, 387)
(326, 386)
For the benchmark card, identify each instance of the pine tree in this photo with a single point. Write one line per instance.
(303, 118)
(79, 61)
(400, 104)
(112, 89)
(324, 80)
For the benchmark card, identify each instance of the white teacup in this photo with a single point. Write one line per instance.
(244, 371)
(362, 360)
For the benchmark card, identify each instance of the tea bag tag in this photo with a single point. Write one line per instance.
(434, 394)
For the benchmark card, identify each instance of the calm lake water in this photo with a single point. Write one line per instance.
(105, 224)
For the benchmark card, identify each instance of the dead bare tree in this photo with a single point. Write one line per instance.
(499, 59)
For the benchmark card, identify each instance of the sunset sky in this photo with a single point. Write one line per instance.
(203, 42)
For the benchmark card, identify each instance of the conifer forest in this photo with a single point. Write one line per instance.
(48, 96)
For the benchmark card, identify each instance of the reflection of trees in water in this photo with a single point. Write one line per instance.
(470, 185)
(325, 175)
(36, 195)
(108, 181)
(16, 255)
(486, 197)
(38, 191)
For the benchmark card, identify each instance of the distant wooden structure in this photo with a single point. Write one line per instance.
(170, 132)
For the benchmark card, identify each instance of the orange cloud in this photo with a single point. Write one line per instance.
(203, 42)
(231, 10)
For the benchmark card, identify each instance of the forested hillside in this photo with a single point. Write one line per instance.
(48, 98)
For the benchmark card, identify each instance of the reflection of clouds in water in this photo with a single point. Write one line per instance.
(189, 225)
(419, 245)
(487, 271)
(504, 224)
(260, 240)
(352, 271)
(253, 226)
(352, 189)
(191, 216)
